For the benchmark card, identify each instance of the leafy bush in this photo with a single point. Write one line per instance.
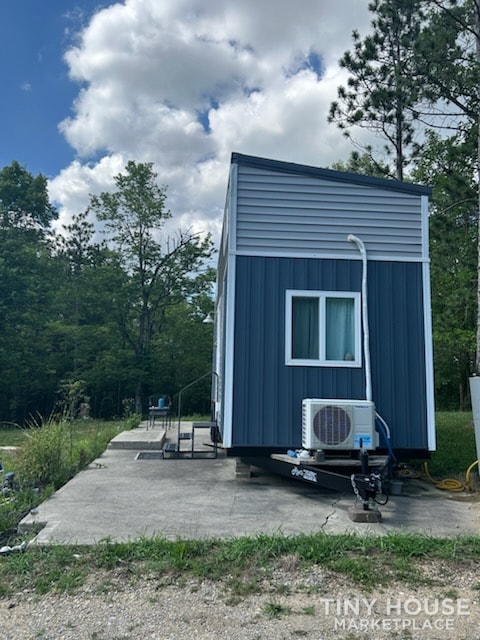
(133, 421)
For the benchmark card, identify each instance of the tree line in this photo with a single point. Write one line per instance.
(99, 322)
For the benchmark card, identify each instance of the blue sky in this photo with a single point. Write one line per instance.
(36, 90)
(89, 84)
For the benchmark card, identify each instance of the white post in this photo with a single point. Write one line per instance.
(475, 395)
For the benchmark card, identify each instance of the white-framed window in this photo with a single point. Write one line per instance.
(322, 328)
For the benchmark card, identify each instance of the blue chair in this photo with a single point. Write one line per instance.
(159, 406)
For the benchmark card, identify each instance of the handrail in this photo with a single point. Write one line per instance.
(214, 375)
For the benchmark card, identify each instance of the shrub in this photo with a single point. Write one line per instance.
(45, 457)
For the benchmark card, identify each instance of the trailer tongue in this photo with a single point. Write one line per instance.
(365, 477)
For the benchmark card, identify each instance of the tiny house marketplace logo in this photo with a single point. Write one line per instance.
(395, 613)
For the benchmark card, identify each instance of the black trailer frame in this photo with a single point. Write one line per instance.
(365, 477)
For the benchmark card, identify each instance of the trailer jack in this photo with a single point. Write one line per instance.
(365, 489)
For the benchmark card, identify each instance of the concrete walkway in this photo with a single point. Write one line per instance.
(123, 496)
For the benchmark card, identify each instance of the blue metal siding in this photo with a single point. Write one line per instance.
(267, 394)
(398, 350)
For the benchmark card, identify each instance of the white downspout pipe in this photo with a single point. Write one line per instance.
(366, 333)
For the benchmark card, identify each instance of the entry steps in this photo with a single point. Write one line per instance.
(140, 438)
(176, 450)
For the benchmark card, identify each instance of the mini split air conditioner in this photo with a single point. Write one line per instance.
(338, 424)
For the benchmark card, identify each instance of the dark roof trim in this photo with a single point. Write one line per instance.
(330, 174)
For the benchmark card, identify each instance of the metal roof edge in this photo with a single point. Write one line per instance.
(330, 174)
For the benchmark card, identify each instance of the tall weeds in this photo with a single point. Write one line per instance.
(55, 451)
(45, 457)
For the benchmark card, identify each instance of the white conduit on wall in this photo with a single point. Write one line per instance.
(366, 333)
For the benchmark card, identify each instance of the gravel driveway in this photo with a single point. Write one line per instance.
(313, 604)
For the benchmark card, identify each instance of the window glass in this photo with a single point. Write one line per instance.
(305, 329)
(339, 329)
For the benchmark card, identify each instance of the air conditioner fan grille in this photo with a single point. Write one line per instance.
(332, 425)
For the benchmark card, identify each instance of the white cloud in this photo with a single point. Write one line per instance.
(185, 83)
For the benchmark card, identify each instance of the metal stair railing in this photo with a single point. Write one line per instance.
(182, 436)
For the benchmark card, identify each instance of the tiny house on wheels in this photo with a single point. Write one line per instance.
(323, 334)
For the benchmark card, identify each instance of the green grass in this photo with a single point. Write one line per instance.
(196, 417)
(456, 449)
(12, 436)
(276, 610)
(79, 429)
(455, 443)
(241, 564)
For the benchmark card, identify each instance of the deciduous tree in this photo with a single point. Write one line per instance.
(24, 200)
(162, 270)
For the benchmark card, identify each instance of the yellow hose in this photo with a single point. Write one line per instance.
(451, 484)
(467, 475)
